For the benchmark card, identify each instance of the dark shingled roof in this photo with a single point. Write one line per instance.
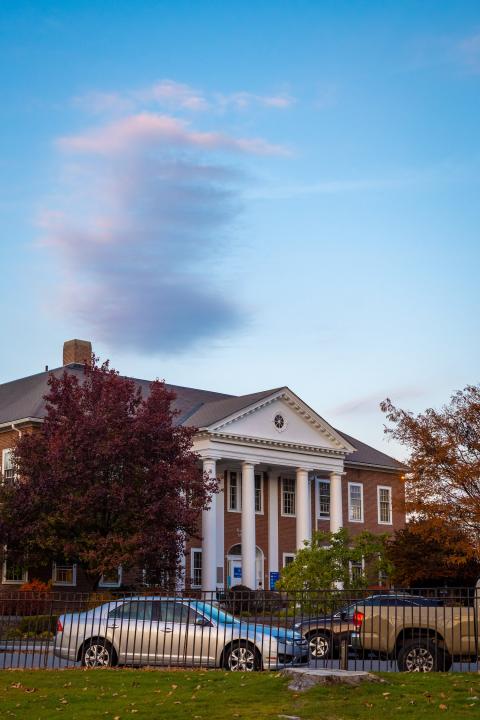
(23, 398)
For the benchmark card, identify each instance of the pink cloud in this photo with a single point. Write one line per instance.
(145, 128)
(174, 95)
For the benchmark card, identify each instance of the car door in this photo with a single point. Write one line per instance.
(201, 638)
(187, 635)
(132, 631)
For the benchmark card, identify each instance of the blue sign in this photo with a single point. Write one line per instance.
(274, 577)
(237, 572)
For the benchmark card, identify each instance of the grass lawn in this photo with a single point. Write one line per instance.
(212, 695)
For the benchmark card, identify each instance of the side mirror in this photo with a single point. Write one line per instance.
(201, 622)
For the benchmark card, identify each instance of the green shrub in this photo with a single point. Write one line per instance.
(35, 625)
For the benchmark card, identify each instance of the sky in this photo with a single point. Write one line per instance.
(242, 195)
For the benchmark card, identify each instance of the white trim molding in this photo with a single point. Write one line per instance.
(65, 566)
(282, 505)
(262, 493)
(112, 584)
(390, 511)
(193, 552)
(327, 481)
(238, 480)
(23, 579)
(290, 556)
(350, 507)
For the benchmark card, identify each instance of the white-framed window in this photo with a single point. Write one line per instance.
(7, 465)
(357, 569)
(288, 558)
(355, 502)
(323, 499)
(13, 573)
(234, 491)
(196, 567)
(259, 493)
(288, 497)
(384, 504)
(64, 574)
(112, 579)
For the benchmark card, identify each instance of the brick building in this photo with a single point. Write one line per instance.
(283, 470)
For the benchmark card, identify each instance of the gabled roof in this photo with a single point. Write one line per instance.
(211, 412)
(24, 398)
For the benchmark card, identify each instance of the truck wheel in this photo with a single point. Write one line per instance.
(320, 646)
(423, 655)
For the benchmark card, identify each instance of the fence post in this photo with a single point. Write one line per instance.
(344, 654)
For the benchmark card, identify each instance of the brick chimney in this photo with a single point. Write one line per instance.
(77, 351)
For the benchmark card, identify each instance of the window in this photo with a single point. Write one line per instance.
(13, 573)
(196, 567)
(355, 502)
(65, 574)
(7, 466)
(288, 496)
(324, 499)
(356, 570)
(234, 491)
(288, 558)
(111, 579)
(133, 610)
(177, 612)
(384, 502)
(258, 493)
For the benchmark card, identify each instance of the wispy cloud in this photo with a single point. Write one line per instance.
(469, 49)
(135, 131)
(370, 403)
(146, 211)
(449, 51)
(172, 96)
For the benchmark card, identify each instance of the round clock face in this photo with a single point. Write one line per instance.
(279, 421)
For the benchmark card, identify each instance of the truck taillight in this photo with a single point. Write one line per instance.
(59, 626)
(358, 618)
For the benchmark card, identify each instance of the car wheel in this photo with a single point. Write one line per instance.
(242, 657)
(423, 655)
(98, 653)
(320, 646)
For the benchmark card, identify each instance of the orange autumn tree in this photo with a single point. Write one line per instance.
(424, 554)
(444, 478)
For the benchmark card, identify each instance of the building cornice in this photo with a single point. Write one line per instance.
(12, 424)
(269, 443)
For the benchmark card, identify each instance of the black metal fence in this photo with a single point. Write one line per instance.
(420, 630)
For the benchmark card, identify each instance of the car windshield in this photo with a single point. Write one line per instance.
(214, 613)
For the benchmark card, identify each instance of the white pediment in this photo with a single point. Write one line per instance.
(283, 418)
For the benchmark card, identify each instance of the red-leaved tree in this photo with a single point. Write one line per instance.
(108, 480)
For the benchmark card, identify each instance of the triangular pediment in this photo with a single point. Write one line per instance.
(283, 417)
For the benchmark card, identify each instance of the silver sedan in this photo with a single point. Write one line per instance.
(174, 631)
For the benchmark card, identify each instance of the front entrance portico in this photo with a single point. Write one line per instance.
(278, 438)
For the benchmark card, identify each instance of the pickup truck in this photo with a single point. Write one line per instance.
(420, 639)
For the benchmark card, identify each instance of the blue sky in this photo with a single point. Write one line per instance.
(239, 195)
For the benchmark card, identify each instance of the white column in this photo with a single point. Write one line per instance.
(248, 525)
(303, 508)
(209, 533)
(220, 509)
(272, 525)
(336, 504)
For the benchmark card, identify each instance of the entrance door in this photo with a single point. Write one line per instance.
(235, 571)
